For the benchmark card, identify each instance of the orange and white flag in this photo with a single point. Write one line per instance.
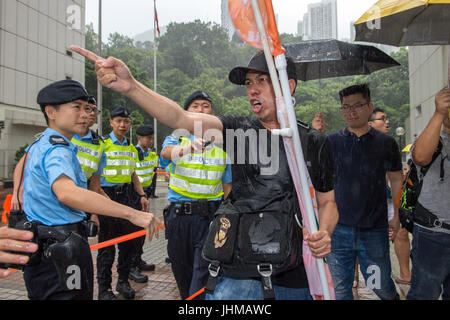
(244, 22)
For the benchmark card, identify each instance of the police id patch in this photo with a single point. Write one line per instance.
(57, 140)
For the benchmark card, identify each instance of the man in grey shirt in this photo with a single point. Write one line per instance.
(430, 252)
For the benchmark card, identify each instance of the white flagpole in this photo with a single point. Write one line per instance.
(99, 86)
(155, 48)
(285, 89)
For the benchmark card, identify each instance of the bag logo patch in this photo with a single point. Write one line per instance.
(221, 235)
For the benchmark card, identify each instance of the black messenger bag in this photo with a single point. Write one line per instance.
(246, 243)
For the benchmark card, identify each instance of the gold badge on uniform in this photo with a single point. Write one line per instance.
(221, 235)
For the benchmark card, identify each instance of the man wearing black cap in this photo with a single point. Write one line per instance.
(55, 201)
(199, 178)
(119, 175)
(145, 170)
(291, 284)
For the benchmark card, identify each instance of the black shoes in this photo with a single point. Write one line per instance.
(124, 288)
(106, 295)
(144, 266)
(137, 276)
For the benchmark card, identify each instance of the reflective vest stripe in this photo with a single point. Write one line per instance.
(146, 164)
(119, 172)
(88, 151)
(92, 166)
(199, 174)
(145, 169)
(141, 172)
(196, 188)
(89, 156)
(120, 162)
(127, 154)
(146, 179)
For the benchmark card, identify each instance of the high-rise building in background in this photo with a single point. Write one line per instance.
(299, 28)
(321, 22)
(226, 20)
(34, 41)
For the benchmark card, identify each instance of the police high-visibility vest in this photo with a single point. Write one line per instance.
(199, 176)
(120, 162)
(145, 169)
(89, 156)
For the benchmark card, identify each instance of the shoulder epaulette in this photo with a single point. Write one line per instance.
(57, 140)
(106, 137)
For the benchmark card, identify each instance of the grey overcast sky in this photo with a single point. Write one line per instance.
(131, 17)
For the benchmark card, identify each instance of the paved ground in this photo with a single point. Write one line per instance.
(161, 284)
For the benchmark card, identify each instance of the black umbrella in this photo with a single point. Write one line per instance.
(320, 59)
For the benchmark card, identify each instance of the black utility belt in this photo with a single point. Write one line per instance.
(427, 219)
(118, 189)
(201, 207)
(85, 228)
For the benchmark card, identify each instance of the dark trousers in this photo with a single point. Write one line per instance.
(112, 228)
(42, 281)
(152, 188)
(186, 235)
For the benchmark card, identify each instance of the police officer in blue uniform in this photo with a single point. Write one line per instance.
(56, 199)
(190, 211)
(143, 132)
(120, 183)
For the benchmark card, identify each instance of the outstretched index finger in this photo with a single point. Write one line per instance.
(86, 53)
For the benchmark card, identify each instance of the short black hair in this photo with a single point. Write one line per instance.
(375, 111)
(45, 114)
(355, 89)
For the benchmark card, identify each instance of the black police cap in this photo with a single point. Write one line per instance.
(197, 95)
(61, 92)
(258, 63)
(120, 112)
(145, 130)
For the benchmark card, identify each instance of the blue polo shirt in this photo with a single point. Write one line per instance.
(175, 196)
(46, 163)
(360, 167)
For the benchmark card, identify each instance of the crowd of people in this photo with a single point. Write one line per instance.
(230, 226)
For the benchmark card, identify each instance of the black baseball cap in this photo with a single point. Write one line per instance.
(197, 95)
(62, 92)
(258, 63)
(145, 130)
(120, 112)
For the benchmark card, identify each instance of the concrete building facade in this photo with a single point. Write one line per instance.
(428, 74)
(34, 38)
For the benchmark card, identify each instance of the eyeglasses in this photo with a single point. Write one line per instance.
(384, 119)
(90, 109)
(355, 107)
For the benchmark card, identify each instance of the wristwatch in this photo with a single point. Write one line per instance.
(143, 196)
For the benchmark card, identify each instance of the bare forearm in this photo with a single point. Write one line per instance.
(226, 190)
(328, 216)
(137, 184)
(428, 141)
(158, 106)
(89, 201)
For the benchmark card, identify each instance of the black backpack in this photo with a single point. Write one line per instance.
(411, 188)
